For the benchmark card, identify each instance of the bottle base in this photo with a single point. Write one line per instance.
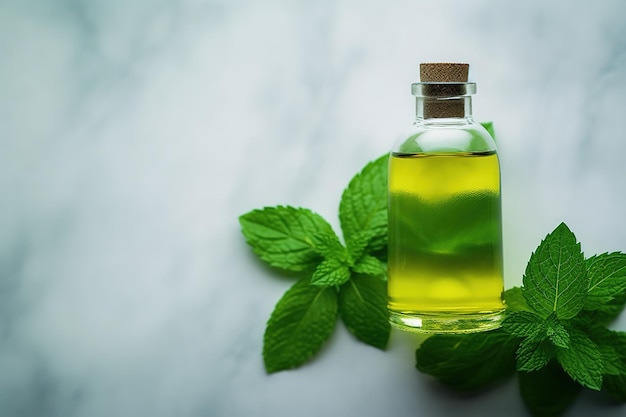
(446, 322)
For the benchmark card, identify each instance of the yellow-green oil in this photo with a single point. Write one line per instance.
(445, 242)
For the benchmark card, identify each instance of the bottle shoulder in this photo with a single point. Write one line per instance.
(445, 137)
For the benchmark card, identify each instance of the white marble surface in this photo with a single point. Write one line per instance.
(134, 133)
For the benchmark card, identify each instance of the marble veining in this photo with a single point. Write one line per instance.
(134, 133)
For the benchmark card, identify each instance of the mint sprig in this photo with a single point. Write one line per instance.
(552, 336)
(337, 281)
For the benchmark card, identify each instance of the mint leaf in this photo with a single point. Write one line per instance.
(557, 333)
(582, 361)
(547, 392)
(607, 279)
(524, 324)
(330, 272)
(514, 300)
(468, 362)
(364, 204)
(363, 309)
(555, 278)
(605, 314)
(370, 265)
(358, 243)
(613, 363)
(614, 382)
(611, 310)
(533, 355)
(303, 319)
(283, 236)
(329, 246)
(535, 330)
(612, 346)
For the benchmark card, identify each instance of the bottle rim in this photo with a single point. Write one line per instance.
(443, 89)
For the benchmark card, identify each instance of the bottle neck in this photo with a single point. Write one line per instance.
(436, 108)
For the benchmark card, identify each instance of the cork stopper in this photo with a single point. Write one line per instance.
(440, 106)
(444, 72)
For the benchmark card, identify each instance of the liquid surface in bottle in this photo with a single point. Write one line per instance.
(445, 237)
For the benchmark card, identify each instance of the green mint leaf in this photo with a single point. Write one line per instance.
(514, 300)
(363, 309)
(612, 346)
(556, 332)
(329, 246)
(357, 244)
(536, 329)
(303, 319)
(468, 362)
(283, 236)
(611, 310)
(532, 355)
(524, 324)
(548, 392)
(489, 127)
(330, 272)
(556, 277)
(582, 361)
(607, 279)
(605, 314)
(370, 265)
(613, 363)
(363, 204)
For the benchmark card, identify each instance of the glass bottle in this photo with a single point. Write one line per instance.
(445, 272)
